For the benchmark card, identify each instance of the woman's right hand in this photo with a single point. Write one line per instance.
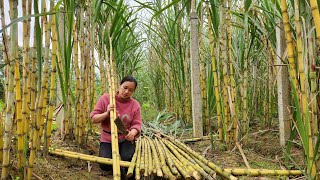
(109, 108)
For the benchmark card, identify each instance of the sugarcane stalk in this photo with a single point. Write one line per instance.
(138, 161)
(4, 35)
(33, 93)
(113, 115)
(197, 171)
(142, 160)
(210, 171)
(191, 171)
(195, 139)
(203, 77)
(169, 161)
(195, 165)
(216, 168)
(180, 167)
(155, 158)
(10, 92)
(231, 79)
(314, 105)
(81, 75)
(134, 159)
(245, 79)
(264, 172)
(86, 157)
(215, 79)
(164, 167)
(289, 40)
(52, 81)
(47, 33)
(146, 158)
(78, 88)
(21, 158)
(150, 163)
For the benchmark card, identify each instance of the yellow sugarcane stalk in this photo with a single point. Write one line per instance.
(304, 103)
(263, 172)
(216, 168)
(215, 79)
(114, 130)
(224, 58)
(156, 158)
(314, 105)
(4, 36)
(38, 113)
(92, 75)
(21, 159)
(82, 114)
(187, 94)
(164, 167)
(46, 27)
(182, 169)
(292, 71)
(52, 80)
(10, 92)
(169, 161)
(146, 157)
(199, 166)
(316, 18)
(244, 85)
(32, 87)
(142, 157)
(178, 152)
(134, 159)
(231, 79)
(77, 76)
(138, 161)
(303, 85)
(203, 78)
(289, 40)
(86, 157)
(151, 164)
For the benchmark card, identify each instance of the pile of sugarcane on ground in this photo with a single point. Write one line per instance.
(171, 159)
(164, 156)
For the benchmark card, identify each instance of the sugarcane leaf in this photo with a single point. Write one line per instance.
(302, 129)
(2, 65)
(23, 18)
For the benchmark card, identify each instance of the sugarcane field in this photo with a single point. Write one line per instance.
(159, 89)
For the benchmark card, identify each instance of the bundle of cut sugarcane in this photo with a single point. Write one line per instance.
(163, 156)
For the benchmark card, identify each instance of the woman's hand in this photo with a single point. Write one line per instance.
(109, 108)
(131, 135)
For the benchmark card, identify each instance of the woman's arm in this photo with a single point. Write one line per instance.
(135, 128)
(99, 113)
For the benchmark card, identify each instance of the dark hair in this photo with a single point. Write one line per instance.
(130, 79)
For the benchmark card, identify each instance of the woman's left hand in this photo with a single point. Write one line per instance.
(132, 133)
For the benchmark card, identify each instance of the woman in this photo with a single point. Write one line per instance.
(128, 110)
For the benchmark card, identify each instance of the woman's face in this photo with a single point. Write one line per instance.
(127, 89)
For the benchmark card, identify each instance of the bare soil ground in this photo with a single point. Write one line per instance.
(262, 150)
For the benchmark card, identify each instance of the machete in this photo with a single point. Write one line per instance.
(120, 126)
